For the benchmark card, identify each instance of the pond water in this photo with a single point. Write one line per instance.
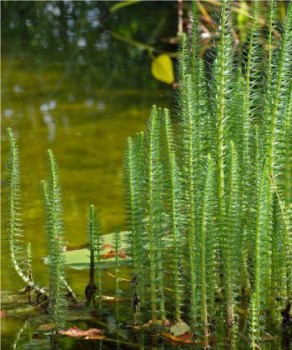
(69, 86)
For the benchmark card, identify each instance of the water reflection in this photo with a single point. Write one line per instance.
(45, 109)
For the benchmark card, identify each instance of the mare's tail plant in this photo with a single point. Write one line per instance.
(216, 184)
(173, 199)
(92, 238)
(18, 256)
(95, 246)
(116, 249)
(154, 209)
(134, 182)
(55, 236)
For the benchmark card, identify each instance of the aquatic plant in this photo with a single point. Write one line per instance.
(135, 197)
(95, 247)
(173, 199)
(55, 236)
(218, 182)
(116, 251)
(20, 259)
(91, 287)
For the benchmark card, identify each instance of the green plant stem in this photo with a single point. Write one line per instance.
(90, 290)
(14, 216)
(203, 238)
(151, 228)
(172, 176)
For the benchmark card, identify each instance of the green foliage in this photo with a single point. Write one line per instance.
(218, 186)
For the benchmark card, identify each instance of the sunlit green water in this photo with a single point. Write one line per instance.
(87, 136)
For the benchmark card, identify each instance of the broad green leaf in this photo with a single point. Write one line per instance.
(80, 259)
(162, 68)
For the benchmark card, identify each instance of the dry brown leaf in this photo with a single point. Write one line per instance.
(186, 338)
(97, 337)
(91, 333)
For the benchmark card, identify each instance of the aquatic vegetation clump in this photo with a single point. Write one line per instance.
(217, 184)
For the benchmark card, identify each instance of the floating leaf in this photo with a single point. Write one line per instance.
(91, 333)
(162, 68)
(80, 259)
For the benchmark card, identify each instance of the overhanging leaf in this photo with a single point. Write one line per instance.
(162, 68)
(122, 4)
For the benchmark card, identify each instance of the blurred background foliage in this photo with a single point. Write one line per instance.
(89, 35)
(86, 34)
